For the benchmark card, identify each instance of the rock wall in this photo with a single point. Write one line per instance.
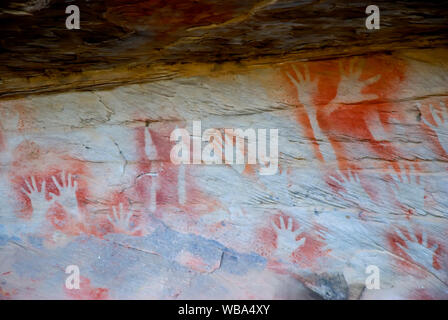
(86, 179)
(132, 41)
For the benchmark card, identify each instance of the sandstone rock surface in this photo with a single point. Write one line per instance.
(86, 177)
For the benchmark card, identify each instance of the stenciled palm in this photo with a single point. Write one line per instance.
(67, 194)
(409, 190)
(351, 87)
(121, 221)
(441, 123)
(377, 129)
(306, 90)
(39, 202)
(419, 251)
(287, 241)
(353, 190)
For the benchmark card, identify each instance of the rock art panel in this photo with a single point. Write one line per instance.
(88, 179)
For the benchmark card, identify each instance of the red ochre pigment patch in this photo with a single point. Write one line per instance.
(116, 199)
(30, 160)
(421, 294)
(197, 203)
(348, 120)
(86, 291)
(429, 134)
(407, 263)
(267, 241)
(309, 253)
(4, 294)
(305, 256)
(193, 261)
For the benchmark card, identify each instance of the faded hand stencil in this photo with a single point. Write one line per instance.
(88, 180)
(440, 123)
(401, 187)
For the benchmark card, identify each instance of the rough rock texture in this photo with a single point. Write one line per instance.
(86, 177)
(139, 40)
